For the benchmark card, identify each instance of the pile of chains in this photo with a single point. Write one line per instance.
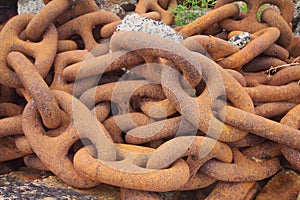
(145, 113)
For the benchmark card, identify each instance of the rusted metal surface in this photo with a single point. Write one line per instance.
(83, 26)
(143, 6)
(43, 52)
(231, 171)
(266, 37)
(148, 114)
(286, 10)
(130, 173)
(228, 191)
(215, 16)
(45, 17)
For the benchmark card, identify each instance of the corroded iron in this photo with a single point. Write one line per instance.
(291, 154)
(215, 47)
(121, 123)
(261, 126)
(215, 16)
(45, 17)
(229, 190)
(38, 89)
(266, 37)
(270, 93)
(250, 22)
(209, 128)
(83, 26)
(130, 172)
(43, 52)
(273, 18)
(81, 7)
(262, 63)
(232, 171)
(55, 160)
(158, 130)
(166, 16)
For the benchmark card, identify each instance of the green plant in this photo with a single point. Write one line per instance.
(189, 10)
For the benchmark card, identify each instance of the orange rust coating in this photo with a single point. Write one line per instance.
(264, 150)
(22, 143)
(285, 76)
(130, 172)
(164, 3)
(238, 77)
(122, 123)
(262, 63)
(216, 47)
(143, 6)
(62, 60)
(101, 110)
(250, 23)
(214, 16)
(158, 130)
(242, 169)
(274, 50)
(117, 91)
(10, 109)
(157, 109)
(159, 47)
(248, 141)
(45, 17)
(202, 148)
(101, 64)
(8, 150)
(38, 89)
(198, 149)
(270, 93)
(43, 51)
(205, 101)
(292, 119)
(52, 151)
(256, 79)
(273, 18)
(83, 26)
(66, 45)
(261, 126)
(34, 162)
(266, 38)
(229, 190)
(10, 126)
(273, 109)
(294, 48)
(80, 8)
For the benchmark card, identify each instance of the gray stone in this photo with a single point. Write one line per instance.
(30, 6)
(296, 19)
(135, 22)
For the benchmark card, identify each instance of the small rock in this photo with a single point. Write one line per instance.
(30, 6)
(137, 23)
(240, 40)
(296, 19)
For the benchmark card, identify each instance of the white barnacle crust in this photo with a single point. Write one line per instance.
(30, 6)
(135, 22)
(240, 40)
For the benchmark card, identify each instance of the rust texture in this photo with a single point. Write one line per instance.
(205, 117)
(286, 10)
(166, 16)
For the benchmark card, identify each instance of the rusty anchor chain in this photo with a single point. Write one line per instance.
(145, 113)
